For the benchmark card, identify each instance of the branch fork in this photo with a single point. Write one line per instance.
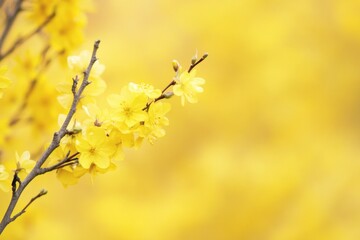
(68, 160)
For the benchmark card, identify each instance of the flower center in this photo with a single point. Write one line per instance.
(92, 150)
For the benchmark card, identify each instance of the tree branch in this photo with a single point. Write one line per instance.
(37, 170)
(163, 95)
(173, 82)
(10, 19)
(197, 62)
(26, 37)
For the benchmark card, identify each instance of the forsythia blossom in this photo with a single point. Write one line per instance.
(147, 89)
(66, 175)
(24, 164)
(153, 127)
(65, 29)
(135, 113)
(97, 136)
(91, 138)
(94, 148)
(78, 65)
(188, 86)
(128, 108)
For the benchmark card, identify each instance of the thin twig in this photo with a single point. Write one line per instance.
(163, 95)
(36, 171)
(60, 164)
(199, 61)
(10, 19)
(46, 62)
(26, 37)
(172, 83)
(74, 161)
(40, 194)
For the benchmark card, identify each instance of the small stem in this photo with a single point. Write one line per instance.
(173, 82)
(199, 61)
(74, 161)
(60, 164)
(40, 194)
(170, 84)
(146, 108)
(10, 19)
(26, 37)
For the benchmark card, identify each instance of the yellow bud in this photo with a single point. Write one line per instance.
(193, 60)
(76, 130)
(168, 94)
(176, 65)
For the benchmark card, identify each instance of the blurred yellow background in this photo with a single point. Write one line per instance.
(271, 151)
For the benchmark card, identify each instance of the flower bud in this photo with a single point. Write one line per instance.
(76, 130)
(168, 94)
(43, 192)
(176, 65)
(193, 60)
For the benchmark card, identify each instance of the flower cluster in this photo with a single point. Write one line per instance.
(98, 137)
(67, 21)
(91, 138)
(35, 39)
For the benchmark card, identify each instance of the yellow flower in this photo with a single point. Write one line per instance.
(42, 100)
(157, 113)
(4, 179)
(98, 116)
(68, 142)
(94, 170)
(94, 148)
(4, 81)
(66, 29)
(39, 10)
(67, 175)
(24, 164)
(119, 140)
(153, 127)
(128, 107)
(147, 89)
(78, 65)
(187, 86)
(88, 96)
(27, 64)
